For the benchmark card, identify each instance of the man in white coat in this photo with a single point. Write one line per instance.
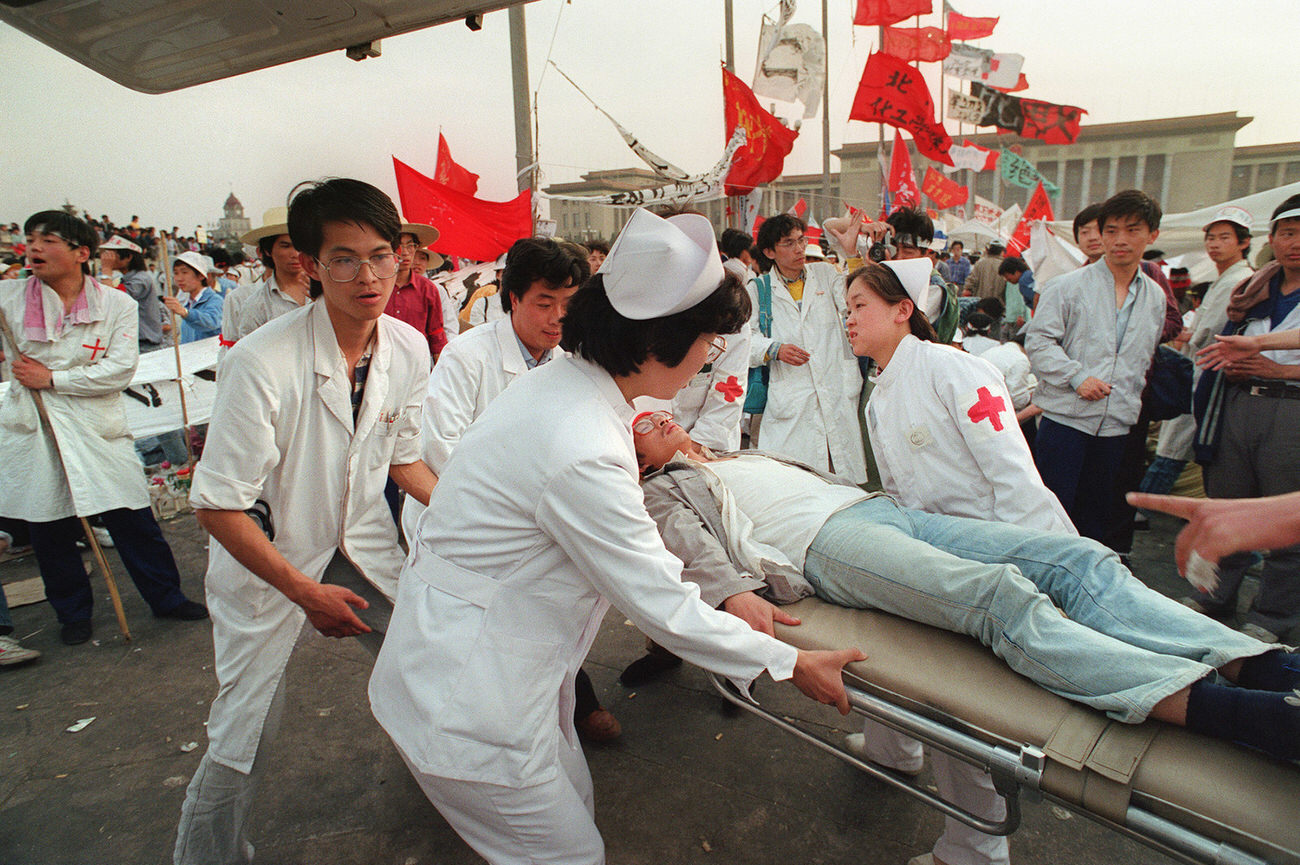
(540, 526)
(284, 288)
(315, 412)
(814, 380)
(77, 347)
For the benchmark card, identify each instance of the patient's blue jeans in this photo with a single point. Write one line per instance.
(1122, 649)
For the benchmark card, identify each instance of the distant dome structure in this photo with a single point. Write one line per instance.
(231, 225)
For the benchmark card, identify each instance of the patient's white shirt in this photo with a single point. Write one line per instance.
(786, 505)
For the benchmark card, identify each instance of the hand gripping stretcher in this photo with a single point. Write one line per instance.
(1198, 799)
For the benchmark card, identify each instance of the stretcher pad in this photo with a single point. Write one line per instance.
(1216, 791)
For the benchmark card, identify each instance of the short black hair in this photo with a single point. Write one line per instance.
(1130, 202)
(534, 258)
(1291, 203)
(219, 255)
(1012, 265)
(264, 247)
(75, 232)
(339, 199)
(734, 242)
(597, 246)
(956, 243)
(913, 222)
(594, 330)
(774, 228)
(1083, 217)
(995, 249)
(991, 306)
(979, 323)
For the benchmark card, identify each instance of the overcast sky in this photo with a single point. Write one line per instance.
(71, 134)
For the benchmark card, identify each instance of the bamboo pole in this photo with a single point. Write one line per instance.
(85, 524)
(176, 346)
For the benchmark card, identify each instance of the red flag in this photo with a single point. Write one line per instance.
(902, 179)
(468, 227)
(1046, 121)
(960, 27)
(448, 173)
(1022, 83)
(874, 13)
(799, 209)
(767, 142)
(926, 44)
(1039, 207)
(894, 93)
(943, 191)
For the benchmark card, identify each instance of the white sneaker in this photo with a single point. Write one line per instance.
(102, 535)
(923, 859)
(13, 652)
(856, 744)
(1264, 635)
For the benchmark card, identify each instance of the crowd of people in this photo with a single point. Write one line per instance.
(697, 429)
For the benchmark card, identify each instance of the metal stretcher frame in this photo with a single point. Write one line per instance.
(1195, 799)
(1013, 773)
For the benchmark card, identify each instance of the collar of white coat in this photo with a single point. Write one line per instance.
(329, 358)
(512, 361)
(903, 356)
(604, 383)
(52, 307)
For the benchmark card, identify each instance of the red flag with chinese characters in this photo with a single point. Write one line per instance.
(894, 93)
(448, 173)
(877, 13)
(767, 141)
(1039, 207)
(924, 44)
(902, 179)
(943, 191)
(468, 227)
(961, 27)
(1046, 121)
(1022, 83)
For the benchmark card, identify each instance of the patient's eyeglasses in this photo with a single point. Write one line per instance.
(716, 348)
(645, 423)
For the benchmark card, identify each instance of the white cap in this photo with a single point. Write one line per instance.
(1272, 223)
(814, 250)
(659, 267)
(200, 262)
(914, 274)
(117, 241)
(1234, 214)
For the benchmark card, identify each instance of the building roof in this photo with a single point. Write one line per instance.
(610, 180)
(1284, 150)
(232, 201)
(1197, 123)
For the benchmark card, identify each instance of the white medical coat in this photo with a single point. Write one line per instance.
(91, 363)
(467, 377)
(710, 405)
(811, 409)
(945, 436)
(541, 525)
(282, 432)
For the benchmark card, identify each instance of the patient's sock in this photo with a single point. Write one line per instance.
(1267, 720)
(1271, 671)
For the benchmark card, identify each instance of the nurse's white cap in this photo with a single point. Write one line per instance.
(914, 274)
(659, 267)
(117, 241)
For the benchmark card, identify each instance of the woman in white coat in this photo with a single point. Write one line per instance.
(541, 526)
(77, 346)
(944, 433)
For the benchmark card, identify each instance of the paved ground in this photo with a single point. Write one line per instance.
(689, 782)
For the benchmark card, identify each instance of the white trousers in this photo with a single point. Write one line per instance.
(964, 785)
(552, 823)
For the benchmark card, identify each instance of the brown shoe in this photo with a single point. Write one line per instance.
(599, 727)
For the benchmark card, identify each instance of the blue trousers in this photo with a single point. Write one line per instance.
(1122, 649)
(140, 544)
(1081, 470)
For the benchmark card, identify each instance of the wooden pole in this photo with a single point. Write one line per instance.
(85, 524)
(176, 346)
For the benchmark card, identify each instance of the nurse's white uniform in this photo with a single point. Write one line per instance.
(540, 527)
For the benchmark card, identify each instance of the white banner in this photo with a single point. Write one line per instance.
(964, 109)
(986, 211)
(1003, 70)
(967, 61)
(791, 65)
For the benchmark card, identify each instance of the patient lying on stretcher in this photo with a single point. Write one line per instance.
(753, 529)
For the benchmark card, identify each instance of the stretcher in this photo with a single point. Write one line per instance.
(1197, 799)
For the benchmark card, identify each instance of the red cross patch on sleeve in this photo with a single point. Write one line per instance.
(731, 389)
(988, 407)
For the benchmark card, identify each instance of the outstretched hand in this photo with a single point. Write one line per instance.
(819, 675)
(329, 608)
(1217, 527)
